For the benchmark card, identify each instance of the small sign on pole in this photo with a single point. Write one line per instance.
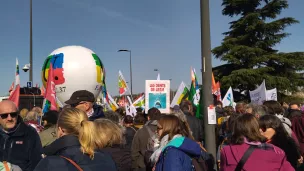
(29, 84)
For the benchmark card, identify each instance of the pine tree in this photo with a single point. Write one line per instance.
(248, 47)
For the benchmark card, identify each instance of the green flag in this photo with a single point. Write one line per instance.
(194, 95)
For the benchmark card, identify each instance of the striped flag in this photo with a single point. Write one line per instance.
(111, 103)
(181, 94)
(122, 85)
(140, 102)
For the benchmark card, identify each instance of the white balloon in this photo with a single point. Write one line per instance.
(75, 68)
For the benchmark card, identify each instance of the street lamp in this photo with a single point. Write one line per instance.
(31, 42)
(125, 50)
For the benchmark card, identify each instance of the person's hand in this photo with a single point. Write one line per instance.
(300, 160)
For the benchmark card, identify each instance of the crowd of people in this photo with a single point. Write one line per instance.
(82, 136)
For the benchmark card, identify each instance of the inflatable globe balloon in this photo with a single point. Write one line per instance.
(74, 68)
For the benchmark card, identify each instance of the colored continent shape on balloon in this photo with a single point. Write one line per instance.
(99, 69)
(57, 61)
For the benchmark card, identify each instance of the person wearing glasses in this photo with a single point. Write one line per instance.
(20, 143)
(85, 101)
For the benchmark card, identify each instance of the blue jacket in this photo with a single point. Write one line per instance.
(98, 113)
(69, 146)
(177, 154)
(21, 146)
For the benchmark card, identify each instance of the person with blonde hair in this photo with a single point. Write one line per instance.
(23, 113)
(110, 140)
(32, 120)
(75, 146)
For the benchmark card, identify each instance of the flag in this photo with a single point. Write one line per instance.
(228, 99)
(132, 108)
(16, 92)
(50, 94)
(158, 77)
(111, 104)
(272, 94)
(181, 94)
(194, 95)
(140, 102)
(11, 88)
(122, 85)
(258, 96)
(216, 89)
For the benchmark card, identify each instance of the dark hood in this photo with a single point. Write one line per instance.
(98, 113)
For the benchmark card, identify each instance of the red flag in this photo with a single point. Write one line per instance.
(15, 95)
(50, 93)
(11, 88)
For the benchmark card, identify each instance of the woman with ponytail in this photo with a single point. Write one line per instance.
(75, 147)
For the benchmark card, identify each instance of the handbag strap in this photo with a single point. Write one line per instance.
(73, 163)
(244, 158)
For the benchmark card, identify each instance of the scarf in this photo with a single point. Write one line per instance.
(163, 142)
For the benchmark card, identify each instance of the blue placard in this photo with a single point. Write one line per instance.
(29, 84)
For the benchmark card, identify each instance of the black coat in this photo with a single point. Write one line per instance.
(69, 146)
(121, 156)
(21, 147)
(129, 135)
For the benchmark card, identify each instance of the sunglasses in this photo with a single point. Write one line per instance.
(12, 114)
(76, 104)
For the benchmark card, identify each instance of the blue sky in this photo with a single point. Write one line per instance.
(162, 34)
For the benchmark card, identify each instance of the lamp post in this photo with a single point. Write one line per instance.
(31, 42)
(206, 74)
(125, 50)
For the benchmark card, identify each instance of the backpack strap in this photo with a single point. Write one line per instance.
(6, 166)
(244, 158)
(73, 163)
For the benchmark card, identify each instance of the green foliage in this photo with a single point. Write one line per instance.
(248, 47)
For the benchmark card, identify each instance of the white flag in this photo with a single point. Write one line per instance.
(133, 110)
(158, 76)
(258, 96)
(228, 100)
(272, 94)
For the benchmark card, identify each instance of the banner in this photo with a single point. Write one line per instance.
(272, 94)
(258, 96)
(158, 95)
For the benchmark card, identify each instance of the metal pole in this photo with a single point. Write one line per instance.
(131, 74)
(31, 42)
(206, 74)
